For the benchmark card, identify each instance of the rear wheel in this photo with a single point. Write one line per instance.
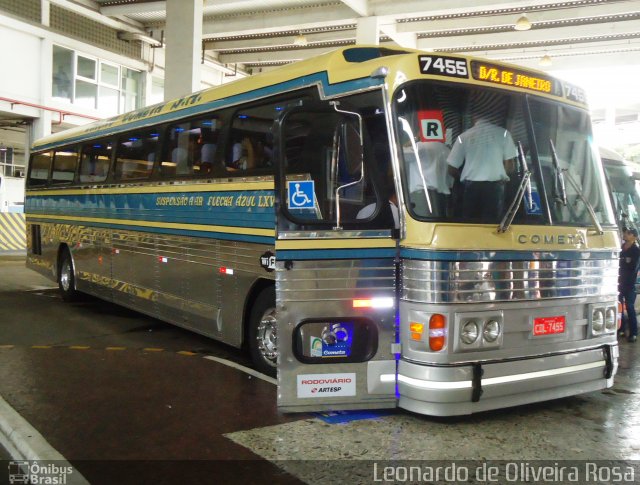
(263, 332)
(67, 277)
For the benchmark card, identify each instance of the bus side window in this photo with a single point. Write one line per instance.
(95, 161)
(39, 169)
(65, 161)
(191, 147)
(135, 155)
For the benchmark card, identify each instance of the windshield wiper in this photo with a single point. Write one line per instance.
(524, 187)
(559, 188)
(561, 172)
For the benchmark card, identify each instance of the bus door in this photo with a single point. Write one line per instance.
(336, 263)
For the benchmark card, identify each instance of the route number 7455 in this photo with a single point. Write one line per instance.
(444, 66)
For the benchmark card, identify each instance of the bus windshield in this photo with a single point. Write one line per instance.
(624, 191)
(465, 151)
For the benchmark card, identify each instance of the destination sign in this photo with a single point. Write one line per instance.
(493, 73)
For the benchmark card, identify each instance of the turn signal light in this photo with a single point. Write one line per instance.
(437, 332)
(416, 330)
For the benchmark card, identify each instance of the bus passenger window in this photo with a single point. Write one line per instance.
(64, 165)
(39, 169)
(95, 161)
(191, 148)
(135, 155)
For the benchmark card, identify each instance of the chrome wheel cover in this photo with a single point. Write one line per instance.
(267, 337)
(65, 275)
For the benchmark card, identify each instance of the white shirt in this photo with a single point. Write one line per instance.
(433, 160)
(483, 148)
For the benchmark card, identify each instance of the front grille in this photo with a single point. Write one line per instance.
(482, 281)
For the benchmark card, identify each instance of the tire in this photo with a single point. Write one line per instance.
(263, 336)
(67, 278)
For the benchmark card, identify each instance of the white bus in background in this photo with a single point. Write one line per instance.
(624, 188)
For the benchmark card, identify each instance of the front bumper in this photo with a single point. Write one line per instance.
(449, 390)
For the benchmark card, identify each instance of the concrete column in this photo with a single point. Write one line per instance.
(183, 35)
(42, 126)
(367, 31)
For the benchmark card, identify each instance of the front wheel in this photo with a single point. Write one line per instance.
(263, 332)
(67, 278)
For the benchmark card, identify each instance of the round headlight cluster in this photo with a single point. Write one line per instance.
(470, 332)
(610, 319)
(597, 322)
(491, 331)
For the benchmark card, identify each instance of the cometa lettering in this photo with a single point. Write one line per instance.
(327, 381)
(570, 239)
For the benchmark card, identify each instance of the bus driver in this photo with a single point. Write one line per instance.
(488, 153)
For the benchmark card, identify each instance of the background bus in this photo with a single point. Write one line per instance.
(292, 212)
(624, 188)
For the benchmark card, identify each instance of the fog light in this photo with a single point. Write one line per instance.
(491, 331)
(469, 332)
(610, 319)
(597, 321)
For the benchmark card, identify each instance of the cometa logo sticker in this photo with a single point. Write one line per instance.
(326, 385)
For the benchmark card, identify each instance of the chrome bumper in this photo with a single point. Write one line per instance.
(465, 389)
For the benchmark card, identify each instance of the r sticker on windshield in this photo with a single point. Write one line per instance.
(431, 125)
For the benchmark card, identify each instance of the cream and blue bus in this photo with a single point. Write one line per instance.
(310, 214)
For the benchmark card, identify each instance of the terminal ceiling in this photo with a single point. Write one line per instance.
(254, 35)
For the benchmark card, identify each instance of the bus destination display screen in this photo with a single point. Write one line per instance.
(493, 73)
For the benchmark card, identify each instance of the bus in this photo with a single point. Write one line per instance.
(308, 214)
(623, 184)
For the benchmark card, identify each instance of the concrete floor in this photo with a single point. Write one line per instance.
(110, 388)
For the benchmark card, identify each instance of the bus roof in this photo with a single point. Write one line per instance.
(336, 72)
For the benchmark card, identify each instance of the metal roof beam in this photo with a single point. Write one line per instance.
(265, 22)
(515, 38)
(440, 25)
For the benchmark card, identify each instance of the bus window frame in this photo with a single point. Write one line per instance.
(372, 176)
(72, 181)
(109, 178)
(118, 178)
(163, 148)
(46, 181)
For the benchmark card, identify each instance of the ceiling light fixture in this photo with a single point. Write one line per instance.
(545, 61)
(300, 40)
(522, 23)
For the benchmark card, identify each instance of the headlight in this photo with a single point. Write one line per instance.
(491, 331)
(610, 319)
(597, 321)
(469, 332)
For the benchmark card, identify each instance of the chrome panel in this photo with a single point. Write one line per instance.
(174, 278)
(485, 281)
(325, 289)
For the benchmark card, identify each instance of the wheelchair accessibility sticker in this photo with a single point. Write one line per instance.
(535, 208)
(301, 194)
